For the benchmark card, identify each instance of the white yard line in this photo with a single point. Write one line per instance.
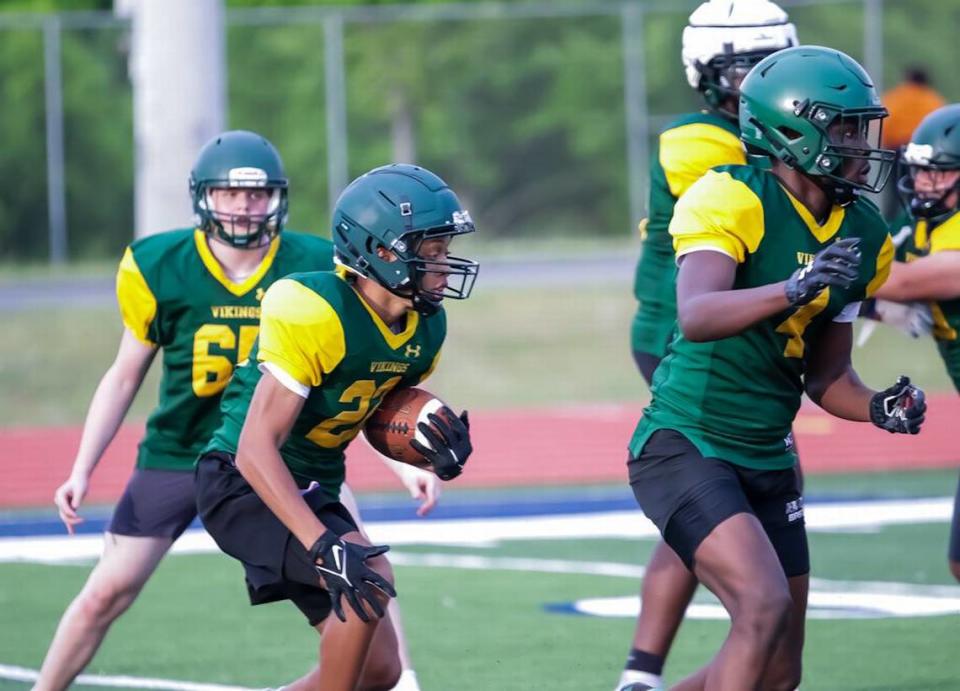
(488, 532)
(24, 674)
(828, 599)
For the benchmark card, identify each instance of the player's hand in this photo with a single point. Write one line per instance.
(913, 318)
(449, 439)
(837, 265)
(423, 486)
(342, 566)
(68, 498)
(901, 409)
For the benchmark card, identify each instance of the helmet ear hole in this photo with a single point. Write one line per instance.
(791, 134)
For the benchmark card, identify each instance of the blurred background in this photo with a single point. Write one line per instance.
(543, 116)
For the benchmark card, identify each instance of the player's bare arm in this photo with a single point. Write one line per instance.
(708, 308)
(109, 406)
(832, 383)
(273, 410)
(934, 277)
(341, 565)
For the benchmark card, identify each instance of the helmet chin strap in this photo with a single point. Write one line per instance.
(424, 305)
(838, 193)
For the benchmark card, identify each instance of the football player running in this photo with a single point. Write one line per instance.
(722, 41)
(331, 346)
(772, 265)
(194, 293)
(930, 270)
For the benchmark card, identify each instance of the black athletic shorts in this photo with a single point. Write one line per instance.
(954, 552)
(277, 566)
(687, 496)
(155, 503)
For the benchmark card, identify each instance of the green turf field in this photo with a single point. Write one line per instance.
(488, 629)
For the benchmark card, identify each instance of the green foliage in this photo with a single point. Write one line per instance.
(525, 117)
(98, 131)
(276, 88)
(23, 211)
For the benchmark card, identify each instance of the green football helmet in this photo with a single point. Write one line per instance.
(817, 110)
(239, 159)
(934, 146)
(397, 207)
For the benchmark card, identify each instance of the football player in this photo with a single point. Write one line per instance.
(930, 272)
(331, 345)
(722, 41)
(194, 293)
(772, 265)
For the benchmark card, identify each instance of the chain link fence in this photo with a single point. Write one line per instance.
(542, 114)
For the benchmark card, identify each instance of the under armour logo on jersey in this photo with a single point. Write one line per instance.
(412, 350)
(259, 294)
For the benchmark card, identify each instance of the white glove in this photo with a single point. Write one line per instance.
(913, 318)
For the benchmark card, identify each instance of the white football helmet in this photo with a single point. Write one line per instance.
(725, 35)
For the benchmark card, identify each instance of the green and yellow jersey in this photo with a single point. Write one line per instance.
(688, 148)
(924, 241)
(736, 398)
(321, 340)
(174, 294)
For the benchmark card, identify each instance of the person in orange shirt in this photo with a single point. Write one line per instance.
(908, 102)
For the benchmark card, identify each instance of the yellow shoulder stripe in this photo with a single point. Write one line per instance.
(884, 260)
(719, 213)
(689, 151)
(138, 306)
(300, 332)
(946, 236)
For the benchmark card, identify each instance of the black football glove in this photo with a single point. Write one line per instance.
(345, 573)
(449, 438)
(900, 409)
(836, 265)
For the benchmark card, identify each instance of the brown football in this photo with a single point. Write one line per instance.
(394, 423)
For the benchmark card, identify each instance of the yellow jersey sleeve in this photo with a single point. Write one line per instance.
(687, 152)
(884, 261)
(718, 213)
(138, 306)
(946, 236)
(300, 332)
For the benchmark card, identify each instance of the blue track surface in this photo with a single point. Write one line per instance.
(391, 509)
(472, 504)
